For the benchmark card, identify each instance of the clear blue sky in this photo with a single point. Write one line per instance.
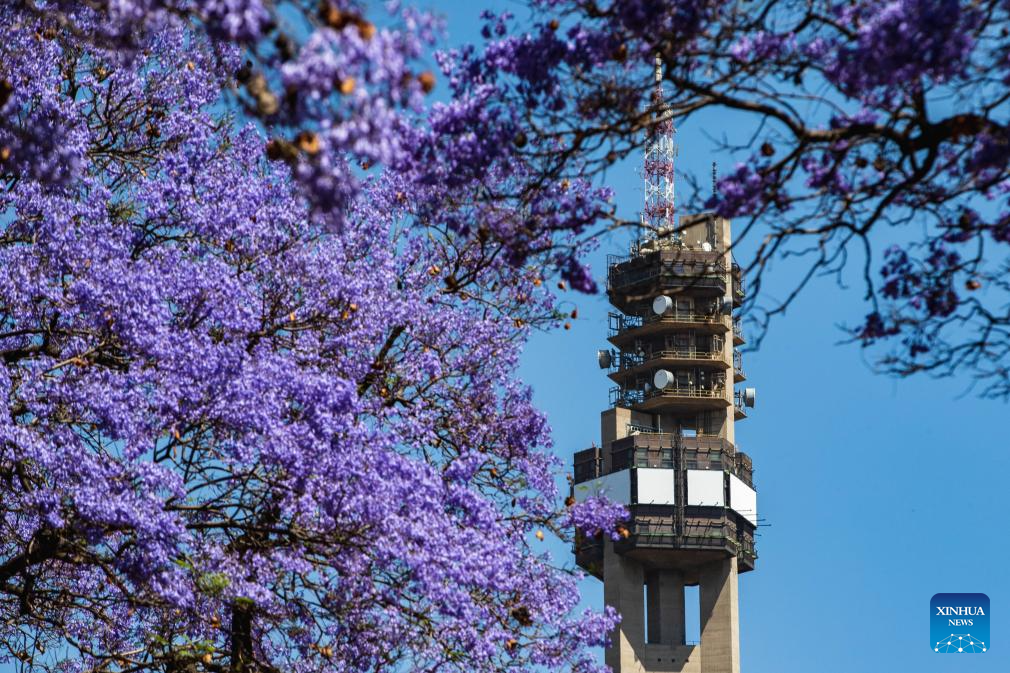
(876, 493)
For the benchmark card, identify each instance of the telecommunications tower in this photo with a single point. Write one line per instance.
(668, 447)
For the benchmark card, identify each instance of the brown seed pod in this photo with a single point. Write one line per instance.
(427, 81)
(267, 104)
(244, 73)
(256, 85)
(332, 16)
(522, 615)
(6, 89)
(279, 149)
(346, 85)
(366, 29)
(308, 142)
(285, 47)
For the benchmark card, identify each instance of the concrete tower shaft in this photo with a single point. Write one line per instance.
(668, 451)
(668, 441)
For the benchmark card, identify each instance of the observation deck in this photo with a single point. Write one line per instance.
(691, 499)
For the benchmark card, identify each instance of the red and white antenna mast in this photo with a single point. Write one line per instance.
(659, 214)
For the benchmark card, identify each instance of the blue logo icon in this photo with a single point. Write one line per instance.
(959, 623)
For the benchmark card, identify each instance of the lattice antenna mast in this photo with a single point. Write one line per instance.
(659, 213)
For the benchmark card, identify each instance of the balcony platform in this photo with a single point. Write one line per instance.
(683, 398)
(628, 331)
(671, 359)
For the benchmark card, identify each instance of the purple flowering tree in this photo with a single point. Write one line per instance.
(259, 399)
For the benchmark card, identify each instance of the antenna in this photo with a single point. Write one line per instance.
(658, 214)
(715, 178)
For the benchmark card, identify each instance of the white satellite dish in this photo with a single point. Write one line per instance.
(662, 304)
(661, 379)
(749, 396)
(604, 358)
(706, 246)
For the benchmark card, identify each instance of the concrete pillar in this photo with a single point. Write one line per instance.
(665, 607)
(622, 590)
(720, 619)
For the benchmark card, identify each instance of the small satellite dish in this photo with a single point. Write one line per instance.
(749, 396)
(706, 246)
(661, 304)
(662, 378)
(604, 358)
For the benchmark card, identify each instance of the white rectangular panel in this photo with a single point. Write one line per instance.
(655, 486)
(615, 486)
(743, 499)
(705, 487)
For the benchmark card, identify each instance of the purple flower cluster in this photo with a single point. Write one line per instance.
(762, 46)
(596, 515)
(743, 192)
(900, 43)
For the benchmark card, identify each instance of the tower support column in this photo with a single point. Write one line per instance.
(720, 624)
(665, 607)
(623, 591)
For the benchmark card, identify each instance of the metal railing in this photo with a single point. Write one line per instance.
(738, 403)
(738, 364)
(671, 278)
(670, 255)
(620, 323)
(738, 330)
(619, 395)
(627, 360)
(642, 457)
